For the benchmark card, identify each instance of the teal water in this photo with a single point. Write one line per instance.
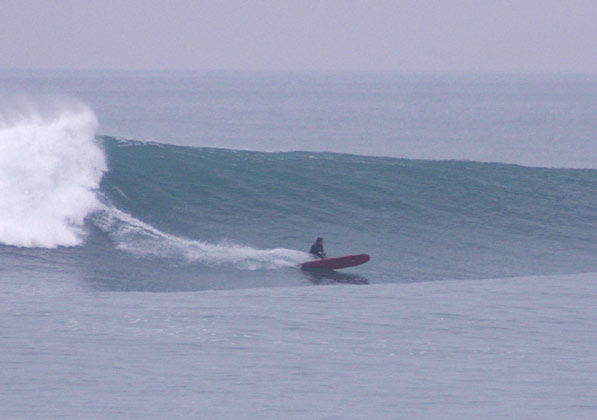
(184, 218)
(173, 211)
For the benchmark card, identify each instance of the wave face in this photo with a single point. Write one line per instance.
(50, 168)
(420, 220)
(162, 217)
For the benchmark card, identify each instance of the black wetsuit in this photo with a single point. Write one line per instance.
(317, 250)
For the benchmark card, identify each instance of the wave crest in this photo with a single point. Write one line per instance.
(50, 169)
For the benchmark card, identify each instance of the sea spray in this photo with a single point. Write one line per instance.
(143, 240)
(50, 169)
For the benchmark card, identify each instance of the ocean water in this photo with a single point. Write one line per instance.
(151, 225)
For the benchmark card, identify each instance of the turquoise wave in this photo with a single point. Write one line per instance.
(419, 220)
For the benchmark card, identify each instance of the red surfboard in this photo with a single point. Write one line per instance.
(339, 262)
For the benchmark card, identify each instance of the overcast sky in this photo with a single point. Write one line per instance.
(553, 36)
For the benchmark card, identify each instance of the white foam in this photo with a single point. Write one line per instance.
(50, 169)
(139, 238)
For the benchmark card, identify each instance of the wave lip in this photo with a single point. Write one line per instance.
(50, 170)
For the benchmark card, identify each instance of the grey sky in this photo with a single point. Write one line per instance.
(404, 36)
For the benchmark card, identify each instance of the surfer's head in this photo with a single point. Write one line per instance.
(319, 240)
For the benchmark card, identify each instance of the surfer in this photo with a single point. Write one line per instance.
(317, 248)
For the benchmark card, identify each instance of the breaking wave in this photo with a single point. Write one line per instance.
(50, 170)
(174, 208)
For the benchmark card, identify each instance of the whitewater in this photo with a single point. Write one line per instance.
(150, 231)
(50, 166)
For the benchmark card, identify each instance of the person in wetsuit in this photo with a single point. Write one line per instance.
(317, 249)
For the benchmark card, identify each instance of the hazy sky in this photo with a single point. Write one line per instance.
(405, 36)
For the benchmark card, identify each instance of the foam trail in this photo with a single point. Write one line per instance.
(50, 169)
(141, 239)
